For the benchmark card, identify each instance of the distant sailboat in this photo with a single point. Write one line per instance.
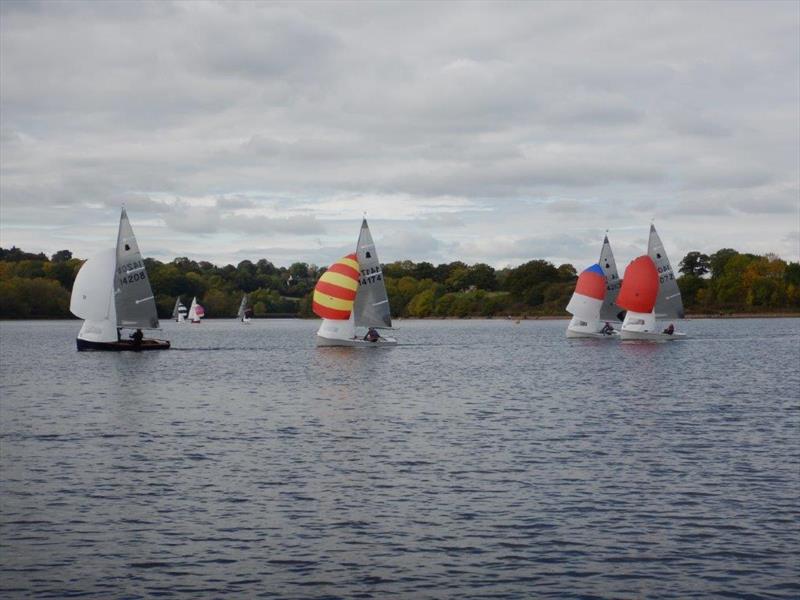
(244, 313)
(112, 292)
(196, 312)
(593, 302)
(179, 312)
(648, 292)
(350, 294)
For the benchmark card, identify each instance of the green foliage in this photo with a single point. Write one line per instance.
(31, 286)
(695, 263)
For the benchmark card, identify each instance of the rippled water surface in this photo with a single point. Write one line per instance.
(478, 459)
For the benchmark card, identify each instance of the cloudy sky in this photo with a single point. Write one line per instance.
(473, 131)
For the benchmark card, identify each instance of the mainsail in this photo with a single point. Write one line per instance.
(133, 296)
(242, 307)
(640, 286)
(609, 311)
(669, 303)
(372, 303)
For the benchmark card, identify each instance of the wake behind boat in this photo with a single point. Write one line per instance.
(112, 292)
(350, 294)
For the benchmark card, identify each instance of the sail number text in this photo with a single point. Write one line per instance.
(371, 275)
(127, 276)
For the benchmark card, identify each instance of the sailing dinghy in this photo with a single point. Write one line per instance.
(179, 312)
(350, 294)
(196, 312)
(593, 302)
(245, 313)
(650, 291)
(112, 292)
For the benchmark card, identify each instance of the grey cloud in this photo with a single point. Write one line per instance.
(258, 108)
(259, 225)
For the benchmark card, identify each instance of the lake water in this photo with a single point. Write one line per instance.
(479, 459)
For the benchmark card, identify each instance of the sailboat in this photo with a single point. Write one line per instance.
(179, 312)
(352, 293)
(244, 313)
(650, 291)
(196, 312)
(112, 292)
(593, 302)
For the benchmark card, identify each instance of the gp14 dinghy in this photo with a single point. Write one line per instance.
(639, 295)
(196, 312)
(179, 312)
(350, 294)
(112, 292)
(593, 302)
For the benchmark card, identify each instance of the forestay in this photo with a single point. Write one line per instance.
(609, 311)
(136, 306)
(669, 303)
(372, 303)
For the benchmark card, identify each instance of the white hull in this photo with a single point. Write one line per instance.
(246, 321)
(343, 333)
(323, 342)
(572, 334)
(643, 327)
(578, 328)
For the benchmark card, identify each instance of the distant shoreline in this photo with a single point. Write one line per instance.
(788, 315)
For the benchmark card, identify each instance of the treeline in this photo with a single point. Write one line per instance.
(35, 286)
(729, 281)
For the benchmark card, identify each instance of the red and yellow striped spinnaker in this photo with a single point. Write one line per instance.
(336, 290)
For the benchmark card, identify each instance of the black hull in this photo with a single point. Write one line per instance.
(123, 345)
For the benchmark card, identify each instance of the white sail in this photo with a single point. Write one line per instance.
(196, 311)
(242, 306)
(135, 303)
(610, 311)
(371, 307)
(669, 303)
(91, 293)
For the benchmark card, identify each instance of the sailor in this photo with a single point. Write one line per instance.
(670, 330)
(607, 329)
(372, 335)
(137, 336)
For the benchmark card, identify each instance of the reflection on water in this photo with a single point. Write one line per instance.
(475, 459)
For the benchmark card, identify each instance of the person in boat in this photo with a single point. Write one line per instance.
(607, 329)
(137, 337)
(372, 335)
(670, 330)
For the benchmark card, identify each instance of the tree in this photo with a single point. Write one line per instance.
(522, 280)
(719, 260)
(482, 276)
(792, 274)
(695, 263)
(567, 272)
(61, 256)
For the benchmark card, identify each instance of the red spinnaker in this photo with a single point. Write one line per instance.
(639, 286)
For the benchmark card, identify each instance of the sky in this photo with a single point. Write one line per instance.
(482, 132)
